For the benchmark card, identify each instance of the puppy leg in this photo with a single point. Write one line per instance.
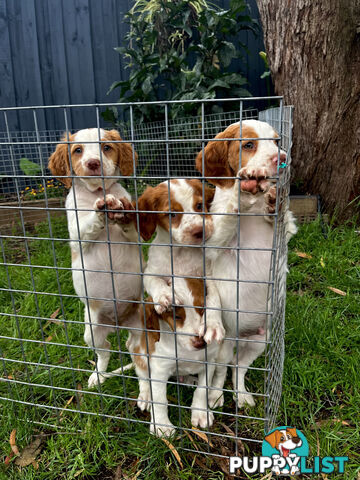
(216, 394)
(144, 398)
(160, 423)
(200, 416)
(247, 354)
(95, 336)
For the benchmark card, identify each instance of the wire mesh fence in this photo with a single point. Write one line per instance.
(166, 275)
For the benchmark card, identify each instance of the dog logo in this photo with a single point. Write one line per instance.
(285, 445)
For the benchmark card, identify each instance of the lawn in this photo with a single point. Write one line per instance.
(321, 374)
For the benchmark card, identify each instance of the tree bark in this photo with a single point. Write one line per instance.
(313, 48)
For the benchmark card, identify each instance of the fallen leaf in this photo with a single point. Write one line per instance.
(173, 450)
(12, 442)
(302, 254)
(191, 439)
(67, 404)
(322, 263)
(232, 433)
(55, 314)
(202, 435)
(49, 338)
(29, 453)
(8, 458)
(136, 475)
(92, 362)
(336, 290)
(76, 474)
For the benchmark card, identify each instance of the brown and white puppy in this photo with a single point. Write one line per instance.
(178, 212)
(172, 345)
(85, 166)
(284, 441)
(250, 243)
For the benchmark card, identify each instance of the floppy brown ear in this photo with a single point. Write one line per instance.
(216, 161)
(59, 162)
(147, 221)
(125, 154)
(273, 439)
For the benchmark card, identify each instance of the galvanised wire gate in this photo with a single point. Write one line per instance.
(45, 361)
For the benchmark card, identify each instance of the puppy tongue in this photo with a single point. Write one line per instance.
(249, 186)
(285, 452)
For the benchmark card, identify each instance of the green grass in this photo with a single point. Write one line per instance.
(320, 388)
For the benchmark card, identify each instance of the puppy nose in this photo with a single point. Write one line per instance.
(197, 232)
(93, 164)
(198, 342)
(281, 159)
(296, 439)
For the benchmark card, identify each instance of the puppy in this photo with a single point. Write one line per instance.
(95, 220)
(178, 212)
(284, 441)
(159, 353)
(255, 236)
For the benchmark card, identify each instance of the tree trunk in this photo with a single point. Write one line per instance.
(313, 48)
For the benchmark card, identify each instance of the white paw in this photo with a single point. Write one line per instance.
(165, 430)
(110, 203)
(202, 419)
(215, 398)
(165, 300)
(244, 399)
(95, 379)
(258, 172)
(214, 331)
(143, 401)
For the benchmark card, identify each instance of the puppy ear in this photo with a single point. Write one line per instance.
(292, 432)
(125, 154)
(216, 161)
(272, 439)
(59, 162)
(152, 319)
(147, 221)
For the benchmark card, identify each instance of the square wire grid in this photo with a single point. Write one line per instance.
(45, 361)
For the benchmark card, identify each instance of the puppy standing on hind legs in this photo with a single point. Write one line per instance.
(251, 264)
(96, 201)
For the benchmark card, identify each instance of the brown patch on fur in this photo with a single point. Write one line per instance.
(59, 161)
(196, 287)
(120, 153)
(221, 159)
(180, 315)
(198, 195)
(96, 304)
(157, 199)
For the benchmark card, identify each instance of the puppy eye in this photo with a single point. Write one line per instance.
(198, 207)
(177, 317)
(173, 214)
(78, 150)
(107, 148)
(282, 438)
(249, 146)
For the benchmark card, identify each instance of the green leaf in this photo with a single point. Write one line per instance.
(29, 167)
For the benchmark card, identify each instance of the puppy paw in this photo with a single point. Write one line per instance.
(167, 429)
(95, 380)
(270, 199)
(143, 401)
(214, 331)
(164, 301)
(244, 399)
(202, 419)
(215, 398)
(112, 206)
